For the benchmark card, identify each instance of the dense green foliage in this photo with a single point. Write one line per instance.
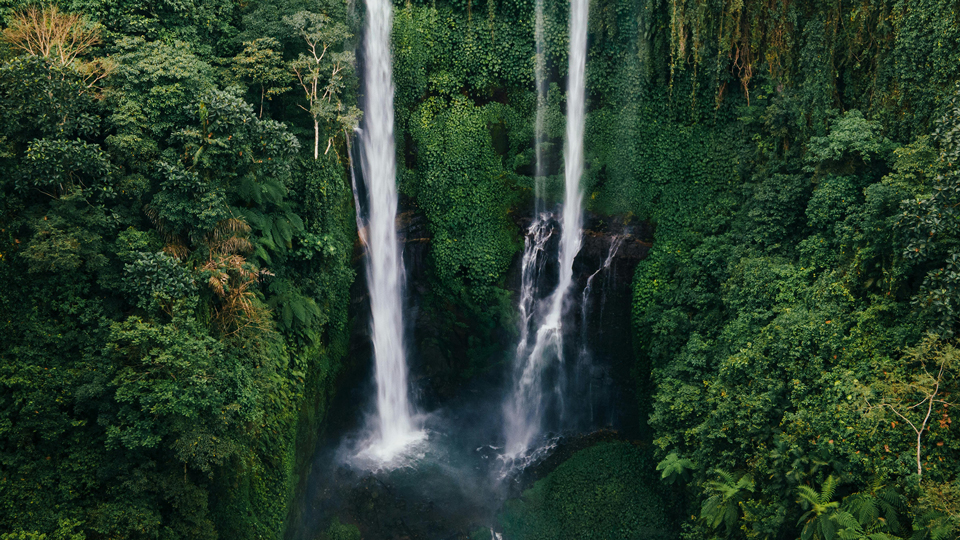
(463, 104)
(175, 263)
(798, 161)
(175, 275)
(798, 265)
(606, 491)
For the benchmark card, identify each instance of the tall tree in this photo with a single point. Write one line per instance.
(321, 72)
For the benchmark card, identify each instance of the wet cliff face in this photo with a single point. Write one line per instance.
(461, 385)
(451, 354)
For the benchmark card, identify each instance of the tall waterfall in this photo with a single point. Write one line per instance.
(384, 270)
(526, 405)
(540, 230)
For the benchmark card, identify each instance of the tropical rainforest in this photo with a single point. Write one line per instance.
(178, 247)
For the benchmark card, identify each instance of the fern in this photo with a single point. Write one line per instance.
(282, 229)
(817, 519)
(935, 526)
(260, 252)
(675, 468)
(248, 190)
(295, 221)
(723, 507)
(297, 306)
(273, 191)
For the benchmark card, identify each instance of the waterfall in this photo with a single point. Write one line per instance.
(534, 246)
(395, 427)
(540, 230)
(584, 362)
(525, 407)
(614, 246)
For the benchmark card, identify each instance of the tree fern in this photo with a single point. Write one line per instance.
(851, 528)
(816, 520)
(248, 189)
(723, 506)
(297, 306)
(876, 511)
(282, 231)
(273, 191)
(295, 221)
(935, 525)
(675, 469)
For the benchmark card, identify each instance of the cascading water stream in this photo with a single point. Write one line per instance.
(534, 246)
(395, 426)
(525, 407)
(541, 228)
(361, 223)
(584, 362)
(614, 246)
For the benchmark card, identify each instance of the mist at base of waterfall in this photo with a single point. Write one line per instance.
(454, 481)
(451, 484)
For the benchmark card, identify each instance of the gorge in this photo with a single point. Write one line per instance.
(515, 269)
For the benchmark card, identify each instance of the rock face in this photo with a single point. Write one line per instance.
(445, 342)
(414, 236)
(444, 378)
(445, 357)
(600, 231)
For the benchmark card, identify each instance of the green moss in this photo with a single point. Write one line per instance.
(341, 531)
(607, 491)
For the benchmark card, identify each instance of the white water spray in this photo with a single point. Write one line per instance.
(395, 429)
(525, 407)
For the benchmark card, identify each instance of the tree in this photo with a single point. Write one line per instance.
(912, 394)
(870, 514)
(60, 37)
(262, 62)
(675, 469)
(937, 511)
(48, 32)
(321, 72)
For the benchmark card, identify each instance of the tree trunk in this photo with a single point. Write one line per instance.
(919, 468)
(262, 92)
(316, 139)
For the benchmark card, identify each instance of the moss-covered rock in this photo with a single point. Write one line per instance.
(606, 491)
